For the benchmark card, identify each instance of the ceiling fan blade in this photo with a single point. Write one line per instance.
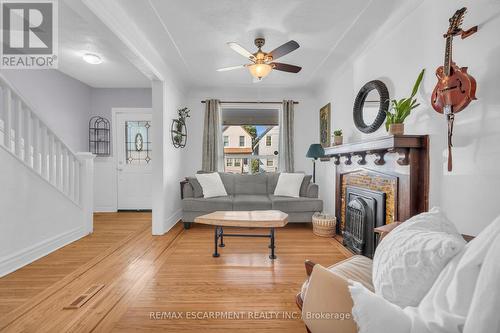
(241, 50)
(285, 67)
(284, 49)
(225, 69)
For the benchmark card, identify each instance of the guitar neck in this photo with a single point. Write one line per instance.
(447, 56)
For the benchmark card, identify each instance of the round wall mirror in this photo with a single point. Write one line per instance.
(370, 106)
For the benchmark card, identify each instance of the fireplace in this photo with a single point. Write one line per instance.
(378, 181)
(365, 210)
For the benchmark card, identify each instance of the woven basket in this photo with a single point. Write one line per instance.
(324, 225)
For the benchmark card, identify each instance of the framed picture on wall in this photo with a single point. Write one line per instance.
(324, 125)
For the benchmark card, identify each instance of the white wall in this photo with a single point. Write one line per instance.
(102, 101)
(168, 170)
(35, 217)
(306, 120)
(467, 193)
(59, 100)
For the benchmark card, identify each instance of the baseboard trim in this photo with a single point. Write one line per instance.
(105, 209)
(13, 262)
(170, 222)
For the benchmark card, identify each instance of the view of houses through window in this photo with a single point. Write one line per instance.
(250, 149)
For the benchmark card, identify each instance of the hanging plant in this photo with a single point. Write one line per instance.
(179, 129)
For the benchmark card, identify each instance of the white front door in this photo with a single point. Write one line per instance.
(134, 154)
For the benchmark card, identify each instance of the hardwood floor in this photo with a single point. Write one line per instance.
(149, 278)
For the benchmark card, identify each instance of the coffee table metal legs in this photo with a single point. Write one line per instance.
(272, 256)
(216, 241)
(219, 233)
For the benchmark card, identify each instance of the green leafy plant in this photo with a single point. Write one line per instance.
(183, 114)
(337, 132)
(402, 108)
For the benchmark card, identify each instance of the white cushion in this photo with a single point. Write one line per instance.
(289, 184)
(409, 259)
(374, 314)
(212, 185)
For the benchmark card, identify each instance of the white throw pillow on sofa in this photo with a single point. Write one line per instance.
(409, 259)
(289, 184)
(212, 185)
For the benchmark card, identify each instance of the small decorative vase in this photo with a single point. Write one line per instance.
(396, 129)
(338, 140)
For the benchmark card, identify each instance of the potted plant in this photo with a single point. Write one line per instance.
(183, 115)
(401, 109)
(337, 137)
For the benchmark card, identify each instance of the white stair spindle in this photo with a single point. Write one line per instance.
(7, 117)
(71, 177)
(19, 127)
(27, 136)
(43, 151)
(58, 165)
(52, 160)
(77, 181)
(36, 144)
(65, 170)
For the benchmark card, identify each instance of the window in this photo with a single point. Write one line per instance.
(138, 144)
(250, 134)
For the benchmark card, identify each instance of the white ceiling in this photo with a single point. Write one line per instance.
(79, 32)
(191, 35)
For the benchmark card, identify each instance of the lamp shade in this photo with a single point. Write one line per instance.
(315, 151)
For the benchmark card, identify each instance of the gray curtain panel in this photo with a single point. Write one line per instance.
(212, 151)
(287, 136)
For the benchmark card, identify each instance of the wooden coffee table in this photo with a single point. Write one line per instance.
(244, 219)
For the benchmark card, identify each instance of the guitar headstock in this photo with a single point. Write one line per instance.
(456, 21)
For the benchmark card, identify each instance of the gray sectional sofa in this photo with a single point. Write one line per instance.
(250, 192)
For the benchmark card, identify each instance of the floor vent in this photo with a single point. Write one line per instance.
(85, 297)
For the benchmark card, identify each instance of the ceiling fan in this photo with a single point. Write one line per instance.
(263, 63)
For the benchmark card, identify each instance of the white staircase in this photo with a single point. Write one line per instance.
(35, 162)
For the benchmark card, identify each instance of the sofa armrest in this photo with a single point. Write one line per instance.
(327, 305)
(313, 190)
(187, 190)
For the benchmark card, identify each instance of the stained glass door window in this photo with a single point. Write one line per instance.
(138, 142)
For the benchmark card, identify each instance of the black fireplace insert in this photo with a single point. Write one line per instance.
(364, 211)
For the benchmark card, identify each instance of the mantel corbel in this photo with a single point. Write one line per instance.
(362, 157)
(379, 156)
(404, 155)
(347, 160)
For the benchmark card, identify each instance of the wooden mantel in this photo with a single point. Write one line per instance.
(401, 144)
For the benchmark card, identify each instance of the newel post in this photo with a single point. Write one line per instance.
(87, 188)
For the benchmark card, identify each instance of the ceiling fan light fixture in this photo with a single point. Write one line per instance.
(260, 71)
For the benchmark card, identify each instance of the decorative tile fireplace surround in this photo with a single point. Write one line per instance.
(378, 181)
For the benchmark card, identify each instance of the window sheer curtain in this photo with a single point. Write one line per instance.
(213, 151)
(287, 137)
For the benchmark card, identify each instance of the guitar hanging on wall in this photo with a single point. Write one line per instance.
(455, 88)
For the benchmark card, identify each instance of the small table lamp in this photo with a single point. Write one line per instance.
(315, 151)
